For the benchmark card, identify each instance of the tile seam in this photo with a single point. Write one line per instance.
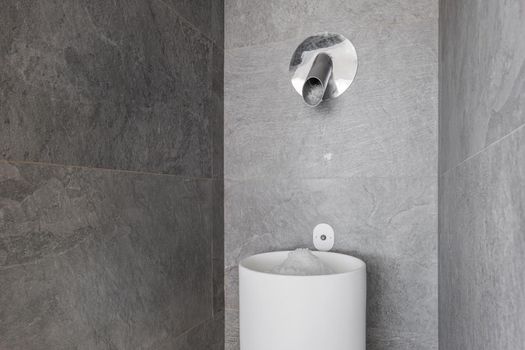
(194, 327)
(284, 178)
(481, 151)
(123, 171)
(190, 24)
(298, 37)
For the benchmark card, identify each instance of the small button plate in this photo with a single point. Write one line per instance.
(324, 237)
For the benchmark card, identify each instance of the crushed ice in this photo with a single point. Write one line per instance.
(301, 262)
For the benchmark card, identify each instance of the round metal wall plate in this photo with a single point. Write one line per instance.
(344, 60)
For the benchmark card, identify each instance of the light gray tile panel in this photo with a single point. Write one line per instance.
(482, 64)
(365, 162)
(94, 259)
(254, 22)
(385, 124)
(390, 223)
(232, 330)
(482, 250)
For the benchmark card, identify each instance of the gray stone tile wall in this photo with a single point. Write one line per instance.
(365, 163)
(111, 201)
(482, 175)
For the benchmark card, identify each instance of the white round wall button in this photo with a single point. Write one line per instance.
(324, 237)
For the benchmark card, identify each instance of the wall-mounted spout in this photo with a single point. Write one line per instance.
(314, 87)
(323, 66)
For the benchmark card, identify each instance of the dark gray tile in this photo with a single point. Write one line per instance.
(95, 259)
(109, 84)
(482, 75)
(205, 15)
(218, 285)
(255, 22)
(217, 136)
(390, 223)
(218, 246)
(215, 112)
(482, 249)
(385, 124)
(197, 12)
(218, 22)
(207, 336)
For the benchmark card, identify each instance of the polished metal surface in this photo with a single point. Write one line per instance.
(315, 86)
(323, 66)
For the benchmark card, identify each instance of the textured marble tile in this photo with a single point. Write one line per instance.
(232, 330)
(205, 15)
(218, 22)
(385, 124)
(215, 112)
(218, 246)
(207, 336)
(482, 249)
(110, 84)
(389, 223)
(94, 259)
(231, 281)
(381, 339)
(254, 22)
(482, 75)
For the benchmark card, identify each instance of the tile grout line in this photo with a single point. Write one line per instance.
(82, 167)
(298, 37)
(490, 145)
(350, 177)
